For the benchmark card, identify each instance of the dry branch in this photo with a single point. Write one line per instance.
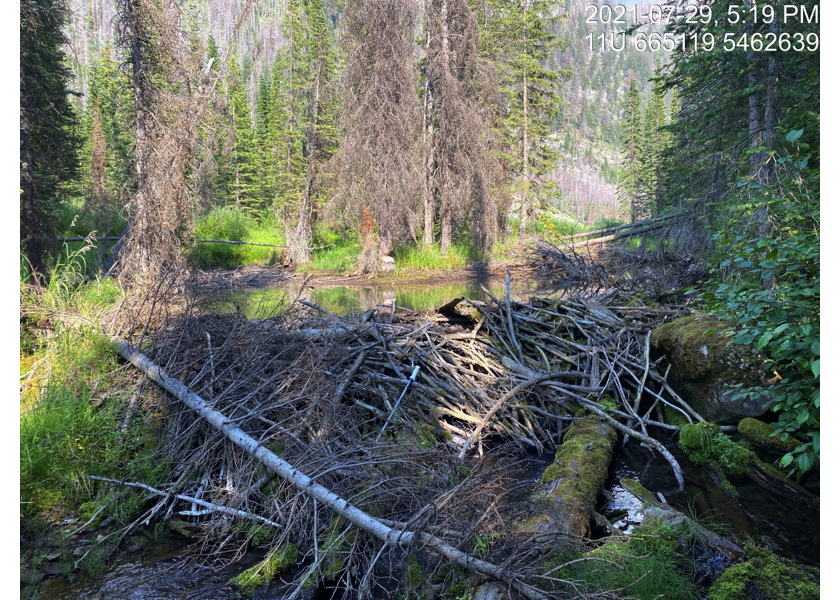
(308, 486)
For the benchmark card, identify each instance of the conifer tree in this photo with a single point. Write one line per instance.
(519, 39)
(655, 141)
(108, 175)
(240, 178)
(631, 184)
(47, 143)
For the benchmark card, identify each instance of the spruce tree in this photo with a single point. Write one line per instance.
(240, 175)
(631, 184)
(655, 141)
(107, 170)
(47, 142)
(519, 39)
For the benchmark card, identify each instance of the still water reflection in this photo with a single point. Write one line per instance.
(345, 299)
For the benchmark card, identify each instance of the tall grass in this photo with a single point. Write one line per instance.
(233, 224)
(417, 258)
(341, 257)
(73, 399)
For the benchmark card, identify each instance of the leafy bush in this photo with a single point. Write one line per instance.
(770, 290)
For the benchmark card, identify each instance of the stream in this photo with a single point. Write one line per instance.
(164, 569)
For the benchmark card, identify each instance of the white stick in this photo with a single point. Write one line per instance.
(308, 486)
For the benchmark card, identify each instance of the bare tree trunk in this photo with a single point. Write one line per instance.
(429, 149)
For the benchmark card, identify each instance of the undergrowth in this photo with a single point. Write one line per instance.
(233, 224)
(73, 406)
(647, 565)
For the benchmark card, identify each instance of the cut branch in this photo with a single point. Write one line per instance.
(308, 486)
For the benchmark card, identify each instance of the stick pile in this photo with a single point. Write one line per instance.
(316, 390)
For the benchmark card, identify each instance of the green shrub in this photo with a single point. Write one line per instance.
(769, 287)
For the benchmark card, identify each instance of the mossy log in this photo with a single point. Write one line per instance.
(709, 372)
(569, 487)
(761, 434)
(767, 577)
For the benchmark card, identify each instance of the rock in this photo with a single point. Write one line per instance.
(387, 264)
(133, 548)
(29, 576)
(53, 568)
(188, 530)
(708, 372)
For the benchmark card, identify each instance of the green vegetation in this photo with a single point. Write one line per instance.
(764, 435)
(705, 444)
(73, 412)
(433, 259)
(767, 577)
(229, 223)
(276, 562)
(747, 155)
(651, 564)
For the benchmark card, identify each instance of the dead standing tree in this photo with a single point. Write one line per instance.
(168, 105)
(459, 161)
(380, 123)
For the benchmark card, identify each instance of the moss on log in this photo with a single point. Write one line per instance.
(571, 484)
(761, 434)
(767, 577)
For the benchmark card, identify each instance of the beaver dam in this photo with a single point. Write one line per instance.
(378, 454)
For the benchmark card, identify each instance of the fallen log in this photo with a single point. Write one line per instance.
(622, 227)
(569, 487)
(618, 236)
(390, 536)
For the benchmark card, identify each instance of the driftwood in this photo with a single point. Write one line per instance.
(390, 536)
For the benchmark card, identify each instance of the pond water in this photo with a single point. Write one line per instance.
(413, 295)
